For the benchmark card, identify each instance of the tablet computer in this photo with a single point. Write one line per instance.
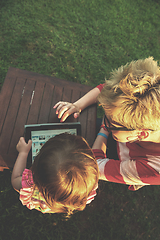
(41, 133)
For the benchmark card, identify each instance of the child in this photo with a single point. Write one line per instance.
(131, 101)
(63, 177)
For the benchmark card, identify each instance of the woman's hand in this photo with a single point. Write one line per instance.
(65, 109)
(23, 147)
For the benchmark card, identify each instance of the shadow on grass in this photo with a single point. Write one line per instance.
(116, 213)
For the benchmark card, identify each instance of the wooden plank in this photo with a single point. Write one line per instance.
(67, 93)
(37, 96)
(9, 159)
(46, 106)
(75, 95)
(22, 115)
(5, 98)
(83, 120)
(40, 77)
(11, 116)
(3, 164)
(90, 130)
(56, 97)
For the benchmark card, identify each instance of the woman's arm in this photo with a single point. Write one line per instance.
(101, 140)
(23, 148)
(65, 109)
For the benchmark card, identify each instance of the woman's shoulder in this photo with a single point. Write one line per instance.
(101, 86)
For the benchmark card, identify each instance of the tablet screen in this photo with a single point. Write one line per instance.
(40, 137)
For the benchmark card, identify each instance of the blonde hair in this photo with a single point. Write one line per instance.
(65, 171)
(132, 95)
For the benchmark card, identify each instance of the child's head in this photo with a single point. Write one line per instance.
(131, 97)
(65, 172)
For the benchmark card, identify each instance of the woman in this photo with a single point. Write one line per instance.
(131, 101)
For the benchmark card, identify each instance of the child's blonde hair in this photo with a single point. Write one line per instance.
(132, 95)
(65, 171)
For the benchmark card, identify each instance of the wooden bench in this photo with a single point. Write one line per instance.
(28, 98)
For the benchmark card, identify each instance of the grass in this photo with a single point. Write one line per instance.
(80, 41)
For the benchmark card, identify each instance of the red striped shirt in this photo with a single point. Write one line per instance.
(136, 166)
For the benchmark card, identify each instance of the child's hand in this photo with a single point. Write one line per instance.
(65, 109)
(23, 147)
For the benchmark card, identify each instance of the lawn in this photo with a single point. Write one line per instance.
(80, 41)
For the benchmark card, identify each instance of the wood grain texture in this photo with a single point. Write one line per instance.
(28, 98)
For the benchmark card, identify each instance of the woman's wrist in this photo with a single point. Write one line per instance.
(103, 135)
(78, 108)
(101, 140)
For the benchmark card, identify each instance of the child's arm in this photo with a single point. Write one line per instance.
(23, 148)
(64, 109)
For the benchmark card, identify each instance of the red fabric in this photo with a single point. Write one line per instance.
(146, 173)
(136, 165)
(112, 171)
(111, 168)
(27, 178)
(99, 153)
(101, 86)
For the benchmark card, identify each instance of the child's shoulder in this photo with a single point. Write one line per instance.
(27, 178)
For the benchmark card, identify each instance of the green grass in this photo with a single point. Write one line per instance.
(80, 41)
